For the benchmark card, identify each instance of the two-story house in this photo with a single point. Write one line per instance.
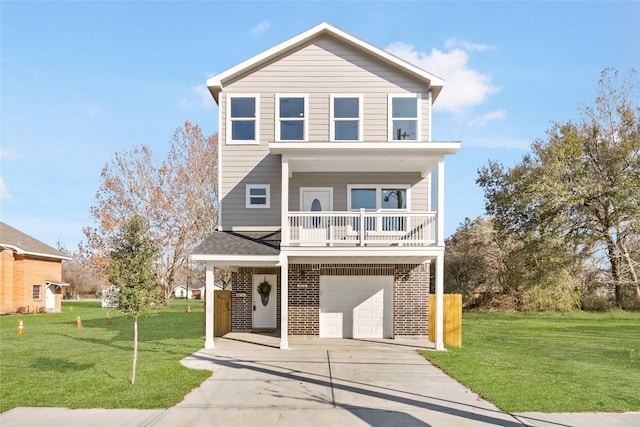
(330, 218)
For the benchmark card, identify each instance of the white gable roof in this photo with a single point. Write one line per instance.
(216, 83)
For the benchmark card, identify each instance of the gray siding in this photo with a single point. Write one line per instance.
(319, 69)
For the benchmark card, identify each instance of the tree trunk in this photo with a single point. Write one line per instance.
(135, 350)
(632, 270)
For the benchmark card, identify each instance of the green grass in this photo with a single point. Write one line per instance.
(54, 363)
(548, 362)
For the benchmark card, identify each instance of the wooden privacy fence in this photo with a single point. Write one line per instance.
(221, 313)
(452, 319)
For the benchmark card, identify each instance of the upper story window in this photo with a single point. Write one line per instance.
(404, 122)
(377, 197)
(385, 198)
(346, 117)
(258, 196)
(291, 117)
(242, 119)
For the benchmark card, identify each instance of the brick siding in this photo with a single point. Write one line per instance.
(410, 295)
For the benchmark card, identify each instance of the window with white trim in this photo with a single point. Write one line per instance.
(242, 119)
(291, 117)
(346, 117)
(379, 198)
(258, 196)
(404, 123)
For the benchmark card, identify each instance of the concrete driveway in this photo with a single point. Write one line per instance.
(326, 382)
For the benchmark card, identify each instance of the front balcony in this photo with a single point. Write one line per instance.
(352, 229)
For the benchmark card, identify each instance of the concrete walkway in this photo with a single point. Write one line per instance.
(316, 383)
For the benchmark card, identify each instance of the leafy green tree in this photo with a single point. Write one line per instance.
(132, 272)
(579, 188)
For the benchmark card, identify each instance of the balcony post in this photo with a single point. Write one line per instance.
(440, 205)
(362, 226)
(284, 202)
(284, 301)
(208, 296)
(439, 329)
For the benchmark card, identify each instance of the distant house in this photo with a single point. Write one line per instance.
(30, 273)
(196, 290)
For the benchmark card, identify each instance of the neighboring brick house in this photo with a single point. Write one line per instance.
(30, 273)
(325, 184)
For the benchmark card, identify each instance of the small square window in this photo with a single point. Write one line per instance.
(258, 196)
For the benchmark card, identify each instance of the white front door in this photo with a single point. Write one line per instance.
(50, 297)
(356, 306)
(315, 199)
(265, 306)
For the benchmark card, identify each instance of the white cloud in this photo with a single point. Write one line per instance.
(4, 191)
(464, 87)
(260, 28)
(466, 45)
(485, 118)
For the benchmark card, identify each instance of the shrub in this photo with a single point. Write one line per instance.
(562, 294)
(21, 310)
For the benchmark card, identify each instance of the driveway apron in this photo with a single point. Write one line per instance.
(326, 382)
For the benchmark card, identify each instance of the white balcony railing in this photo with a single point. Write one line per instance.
(361, 229)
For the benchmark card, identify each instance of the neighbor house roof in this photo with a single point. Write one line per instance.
(217, 82)
(24, 244)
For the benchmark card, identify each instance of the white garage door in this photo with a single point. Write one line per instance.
(356, 306)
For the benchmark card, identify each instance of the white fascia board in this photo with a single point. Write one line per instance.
(377, 252)
(248, 260)
(37, 254)
(363, 148)
(215, 83)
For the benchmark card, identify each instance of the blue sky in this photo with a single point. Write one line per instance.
(82, 80)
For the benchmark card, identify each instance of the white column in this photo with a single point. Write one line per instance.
(284, 301)
(440, 204)
(284, 203)
(208, 315)
(440, 302)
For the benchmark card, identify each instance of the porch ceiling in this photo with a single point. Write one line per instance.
(363, 157)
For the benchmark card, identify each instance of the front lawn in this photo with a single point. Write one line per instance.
(548, 362)
(54, 363)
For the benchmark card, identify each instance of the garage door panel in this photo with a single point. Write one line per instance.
(356, 306)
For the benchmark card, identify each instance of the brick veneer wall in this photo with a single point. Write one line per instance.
(19, 274)
(304, 299)
(411, 299)
(410, 295)
(242, 307)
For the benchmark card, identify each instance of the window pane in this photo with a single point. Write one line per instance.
(404, 107)
(292, 107)
(346, 108)
(258, 200)
(243, 130)
(363, 198)
(346, 130)
(243, 107)
(292, 130)
(404, 129)
(393, 199)
(258, 191)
